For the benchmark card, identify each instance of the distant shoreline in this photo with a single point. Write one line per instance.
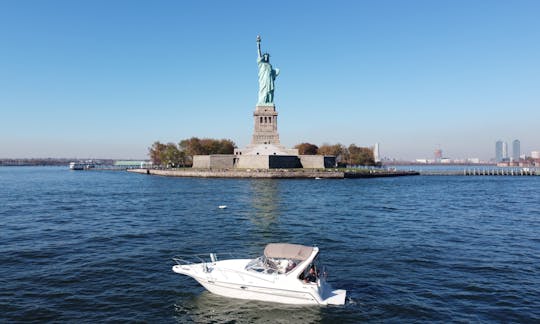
(49, 161)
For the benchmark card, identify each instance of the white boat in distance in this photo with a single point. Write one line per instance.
(76, 166)
(286, 273)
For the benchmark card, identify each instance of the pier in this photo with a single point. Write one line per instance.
(484, 172)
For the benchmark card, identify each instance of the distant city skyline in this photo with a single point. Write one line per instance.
(106, 79)
(502, 153)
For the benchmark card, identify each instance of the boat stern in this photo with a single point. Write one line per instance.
(335, 297)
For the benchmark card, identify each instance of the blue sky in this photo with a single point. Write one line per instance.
(107, 78)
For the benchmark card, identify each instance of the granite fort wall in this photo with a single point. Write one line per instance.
(201, 161)
(214, 161)
(229, 161)
(265, 174)
(317, 161)
(252, 162)
(283, 162)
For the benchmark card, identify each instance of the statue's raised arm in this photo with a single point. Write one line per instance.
(259, 46)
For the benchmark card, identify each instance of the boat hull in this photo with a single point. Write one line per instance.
(261, 293)
(302, 294)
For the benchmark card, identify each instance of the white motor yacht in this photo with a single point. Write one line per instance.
(286, 273)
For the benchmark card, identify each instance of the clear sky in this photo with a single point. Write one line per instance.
(105, 79)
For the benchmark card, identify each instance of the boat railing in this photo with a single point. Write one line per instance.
(188, 262)
(190, 259)
(205, 258)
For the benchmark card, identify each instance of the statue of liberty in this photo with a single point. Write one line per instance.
(267, 75)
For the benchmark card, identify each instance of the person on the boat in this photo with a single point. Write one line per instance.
(311, 276)
(291, 265)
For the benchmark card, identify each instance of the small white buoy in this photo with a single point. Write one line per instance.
(222, 206)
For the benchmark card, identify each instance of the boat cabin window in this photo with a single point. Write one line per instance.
(272, 265)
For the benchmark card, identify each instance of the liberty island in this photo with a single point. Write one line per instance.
(265, 154)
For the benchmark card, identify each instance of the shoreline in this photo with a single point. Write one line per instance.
(273, 174)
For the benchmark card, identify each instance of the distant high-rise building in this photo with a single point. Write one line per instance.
(516, 150)
(505, 151)
(498, 151)
(376, 153)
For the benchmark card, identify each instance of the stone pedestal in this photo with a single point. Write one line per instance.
(265, 126)
(265, 140)
(265, 150)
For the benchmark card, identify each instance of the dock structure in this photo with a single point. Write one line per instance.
(502, 172)
(485, 172)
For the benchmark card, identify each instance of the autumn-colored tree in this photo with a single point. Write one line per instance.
(191, 146)
(226, 146)
(335, 150)
(173, 156)
(205, 146)
(360, 155)
(339, 151)
(307, 149)
(166, 155)
(157, 153)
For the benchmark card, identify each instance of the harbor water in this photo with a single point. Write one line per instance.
(96, 246)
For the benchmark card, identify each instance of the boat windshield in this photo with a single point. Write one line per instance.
(272, 265)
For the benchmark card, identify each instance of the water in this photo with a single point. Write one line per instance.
(94, 246)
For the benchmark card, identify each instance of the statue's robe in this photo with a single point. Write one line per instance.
(267, 75)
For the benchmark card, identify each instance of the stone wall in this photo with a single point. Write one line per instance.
(214, 161)
(252, 162)
(229, 161)
(317, 161)
(284, 162)
(267, 162)
(265, 149)
(259, 174)
(201, 161)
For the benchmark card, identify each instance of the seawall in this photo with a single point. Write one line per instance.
(272, 174)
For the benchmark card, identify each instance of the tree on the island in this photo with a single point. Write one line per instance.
(214, 146)
(226, 146)
(206, 146)
(173, 156)
(157, 153)
(191, 146)
(335, 150)
(360, 155)
(307, 149)
(339, 151)
(167, 155)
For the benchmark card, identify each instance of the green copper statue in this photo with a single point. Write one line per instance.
(267, 75)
